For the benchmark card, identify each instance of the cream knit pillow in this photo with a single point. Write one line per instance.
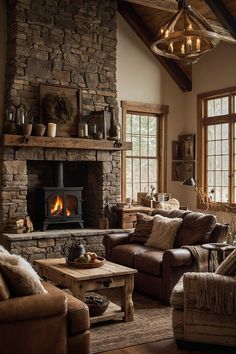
(163, 232)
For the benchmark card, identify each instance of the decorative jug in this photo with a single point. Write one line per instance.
(73, 251)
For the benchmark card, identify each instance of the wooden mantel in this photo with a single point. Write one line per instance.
(62, 143)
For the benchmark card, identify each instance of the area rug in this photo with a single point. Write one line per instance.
(152, 322)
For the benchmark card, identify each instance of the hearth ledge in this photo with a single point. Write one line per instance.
(61, 233)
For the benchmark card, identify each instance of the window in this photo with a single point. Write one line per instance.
(217, 144)
(143, 166)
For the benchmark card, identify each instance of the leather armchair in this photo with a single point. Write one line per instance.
(55, 322)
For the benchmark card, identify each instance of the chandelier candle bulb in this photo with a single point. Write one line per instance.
(182, 49)
(198, 44)
(171, 48)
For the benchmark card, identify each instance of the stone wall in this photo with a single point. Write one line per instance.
(63, 42)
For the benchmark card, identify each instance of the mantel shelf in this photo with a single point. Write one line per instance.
(61, 143)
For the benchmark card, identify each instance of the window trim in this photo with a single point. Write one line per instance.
(147, 108)
(202, 122)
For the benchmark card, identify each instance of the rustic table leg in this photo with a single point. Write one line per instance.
(78, 290)
(126, 299)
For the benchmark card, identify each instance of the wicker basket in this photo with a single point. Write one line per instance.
(97, 304)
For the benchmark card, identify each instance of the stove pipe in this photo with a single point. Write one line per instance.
(59, 175)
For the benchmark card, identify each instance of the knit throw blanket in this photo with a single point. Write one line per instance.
(202, 263)
(216, 292)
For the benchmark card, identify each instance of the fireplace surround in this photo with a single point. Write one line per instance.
(101, 181)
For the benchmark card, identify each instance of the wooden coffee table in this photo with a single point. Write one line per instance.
(79, 281)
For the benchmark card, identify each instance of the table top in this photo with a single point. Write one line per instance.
(218, 246)
(108, 269)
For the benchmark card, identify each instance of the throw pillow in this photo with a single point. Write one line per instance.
(4, 291)
(20, 281)
(163, 232)
(143, 229)
(228, 266)
(3, 250)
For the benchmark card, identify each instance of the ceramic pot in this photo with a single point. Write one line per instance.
(40, 129)
(27, 129)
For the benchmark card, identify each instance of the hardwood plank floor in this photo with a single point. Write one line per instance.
(169, 346)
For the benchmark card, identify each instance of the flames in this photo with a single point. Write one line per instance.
(57, 207)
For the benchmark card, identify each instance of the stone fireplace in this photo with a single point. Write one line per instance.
(68, 43)
(24, 170)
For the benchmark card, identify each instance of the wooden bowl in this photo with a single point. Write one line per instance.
(100, 262)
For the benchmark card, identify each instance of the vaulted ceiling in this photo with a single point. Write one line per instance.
(146, 17)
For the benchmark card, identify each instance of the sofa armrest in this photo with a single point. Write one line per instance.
(177, 257)
(112, 240)
(32, 307)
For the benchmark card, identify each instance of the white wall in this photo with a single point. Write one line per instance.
(214, 71)
(141, 78)
(3, 40)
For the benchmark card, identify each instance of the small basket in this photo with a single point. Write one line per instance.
(97, 304)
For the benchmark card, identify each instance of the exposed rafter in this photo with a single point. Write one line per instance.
(141, 29)
(224, 16)
(172, 6)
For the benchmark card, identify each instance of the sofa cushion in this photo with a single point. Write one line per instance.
(195, 229)
(124, 254)
(149, 261)
(20, 281)
(4, 291)
(163, 232)
(142, 229)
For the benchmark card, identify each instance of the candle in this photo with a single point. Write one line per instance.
(51, 130)
(85, 127)
(182, 49)
(171, 48)
(198, 44)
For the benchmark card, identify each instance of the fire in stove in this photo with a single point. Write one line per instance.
(57, 207)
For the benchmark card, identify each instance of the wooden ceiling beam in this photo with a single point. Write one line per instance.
(224, 16)
(172, 6)
(141, 29)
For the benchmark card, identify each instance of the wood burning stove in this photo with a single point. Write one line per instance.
(60, 205)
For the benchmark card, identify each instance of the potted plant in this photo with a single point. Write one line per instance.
(39, 129)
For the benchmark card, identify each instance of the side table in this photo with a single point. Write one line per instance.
(222, 249)
(126, 217)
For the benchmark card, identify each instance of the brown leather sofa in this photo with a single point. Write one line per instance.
(55, 322)
(159, 270)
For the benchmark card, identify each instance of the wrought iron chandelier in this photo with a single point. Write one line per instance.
(186, 36)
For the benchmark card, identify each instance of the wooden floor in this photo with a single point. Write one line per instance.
(169, 346)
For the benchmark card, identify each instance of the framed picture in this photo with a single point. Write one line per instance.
(188, 146)
(71, 96)
(177, 171)
(176, 150)
(188, 170)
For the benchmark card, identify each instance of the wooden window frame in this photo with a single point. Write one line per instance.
(162, 112)
(202, 122)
